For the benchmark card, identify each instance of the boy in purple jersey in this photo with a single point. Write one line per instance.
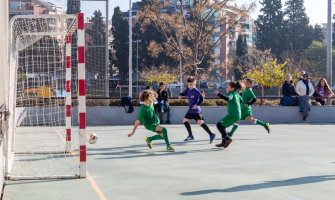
(195, 99)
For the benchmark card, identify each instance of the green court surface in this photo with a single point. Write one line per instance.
(293, 162)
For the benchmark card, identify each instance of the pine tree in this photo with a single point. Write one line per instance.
(299, 33)
(271, 27)
(240, 48)
(95, 51)
(120, 31)
(318, 35)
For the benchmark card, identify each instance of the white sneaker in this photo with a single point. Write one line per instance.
(318, 103)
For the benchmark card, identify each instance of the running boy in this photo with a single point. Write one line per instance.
(249, 99)
(195, 99)
(234, 111)
(150, 121)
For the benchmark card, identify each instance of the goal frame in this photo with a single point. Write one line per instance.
(76, 26)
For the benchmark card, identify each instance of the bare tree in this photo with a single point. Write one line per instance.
(201, 26)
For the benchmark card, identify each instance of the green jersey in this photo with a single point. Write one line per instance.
(234, 105)
(148, 117)
(247, 96)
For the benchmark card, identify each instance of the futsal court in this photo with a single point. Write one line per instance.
(293, 162)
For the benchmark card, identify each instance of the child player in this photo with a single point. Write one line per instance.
(150, 120)
(234, 111)
(249, 99)
(195, 99)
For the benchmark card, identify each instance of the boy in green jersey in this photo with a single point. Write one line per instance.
(148, 117)
(249, 99)
(234, 111)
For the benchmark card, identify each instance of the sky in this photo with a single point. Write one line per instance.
(316, 9)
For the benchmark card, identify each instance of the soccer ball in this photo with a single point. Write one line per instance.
(92, 138)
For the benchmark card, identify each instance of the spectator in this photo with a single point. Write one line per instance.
(288, 90)
(322, 90)
(302, 73)
(163, 106)
(202, 93)
(305, 90)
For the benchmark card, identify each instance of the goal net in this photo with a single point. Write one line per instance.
(46, 135)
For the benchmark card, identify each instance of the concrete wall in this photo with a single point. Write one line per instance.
(117, 115)
(271, 114)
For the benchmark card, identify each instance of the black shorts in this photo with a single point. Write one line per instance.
(196, 117)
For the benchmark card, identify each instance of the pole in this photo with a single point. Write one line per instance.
(181, 69)
(137, 66)
(329, 46)
(107, 56)
(130, 51)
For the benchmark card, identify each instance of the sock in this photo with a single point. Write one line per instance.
(188, 127)
(155, 137)
(223, 132)
(233, 129)
(258, 122)
(166, 137)
(204, 126)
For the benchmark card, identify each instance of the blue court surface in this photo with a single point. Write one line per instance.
(293, 162)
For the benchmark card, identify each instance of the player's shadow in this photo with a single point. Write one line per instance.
(152, 153)
(161, 142)
(265, 185)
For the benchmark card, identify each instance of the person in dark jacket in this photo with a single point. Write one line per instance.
(163, 106)
(288, 90)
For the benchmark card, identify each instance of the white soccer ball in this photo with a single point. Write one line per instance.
(92, 138)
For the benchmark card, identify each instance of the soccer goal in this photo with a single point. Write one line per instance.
(46, 101)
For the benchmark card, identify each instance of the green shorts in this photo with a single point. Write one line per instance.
(229, 120)
(245, 112)
(151, 127)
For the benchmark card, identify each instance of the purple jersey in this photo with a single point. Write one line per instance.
(193, 99)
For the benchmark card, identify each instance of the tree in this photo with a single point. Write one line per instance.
(241, 51)
(318, 34)
(120, 31)
(315, 57)
(271, 74)
(299, 33)
(271, 28)
(73, 7)
(197, 23)
(95, 50)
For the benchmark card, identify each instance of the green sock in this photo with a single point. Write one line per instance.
(155, 137)
(166, 137)
(258, 122)
(233, 130)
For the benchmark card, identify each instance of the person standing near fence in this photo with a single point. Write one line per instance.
(163, 106)
(305, 90)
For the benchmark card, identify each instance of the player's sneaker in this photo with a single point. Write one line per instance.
(170, 148)
(212, 138)
(221, 144)
(267, 127)
(227, 142)
(149, 143)
(189, 138)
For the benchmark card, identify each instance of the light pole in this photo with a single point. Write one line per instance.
(329, 46)
(137, 66)
(130, 51)
(181, 69)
